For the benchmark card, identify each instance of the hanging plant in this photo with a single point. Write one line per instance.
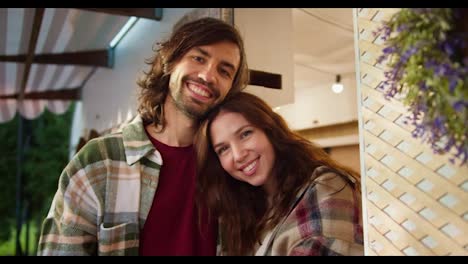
(426, 54)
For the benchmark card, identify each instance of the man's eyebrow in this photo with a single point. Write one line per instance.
(204, 52)
(223, 62)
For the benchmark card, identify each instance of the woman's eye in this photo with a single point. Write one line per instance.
(246, 133)
(221, 150)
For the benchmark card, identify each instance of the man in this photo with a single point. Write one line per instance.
(132, 192)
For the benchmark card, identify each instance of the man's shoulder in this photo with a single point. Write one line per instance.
(109, 140)
(104, 147)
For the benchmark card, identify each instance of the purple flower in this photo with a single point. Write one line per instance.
(450, 144)
(402, 27)
(423, 86)
(448, 48)
(460, 105)
(408, 53)
(443, 69)
(462, 152)
(439, 124)
(453, 84)
(418, 131)
(388, 50)
(430, 64)
(436, 52)
(381, 58)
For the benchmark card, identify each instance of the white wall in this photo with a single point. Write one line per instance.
(110, 96)
(323, 47)
(316, 105)
(76, 128)
(268, 40)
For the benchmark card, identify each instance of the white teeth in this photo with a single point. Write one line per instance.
(199, 91)
(250, 167)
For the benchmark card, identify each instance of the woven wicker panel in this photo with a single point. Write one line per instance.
(416, 201)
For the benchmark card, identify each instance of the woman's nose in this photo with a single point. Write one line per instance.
(239, 153)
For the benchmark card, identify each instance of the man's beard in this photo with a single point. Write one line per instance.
(191, 107)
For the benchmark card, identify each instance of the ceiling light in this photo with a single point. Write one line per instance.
(337, 87)
(130, 22)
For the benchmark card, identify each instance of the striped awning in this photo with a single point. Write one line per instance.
(41, 61)
(48, 54)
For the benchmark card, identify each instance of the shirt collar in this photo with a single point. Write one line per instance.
(137, 144)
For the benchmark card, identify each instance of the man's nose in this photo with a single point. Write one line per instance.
(208, 73)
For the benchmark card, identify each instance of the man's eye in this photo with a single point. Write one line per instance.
(198, 59)
(226, 73)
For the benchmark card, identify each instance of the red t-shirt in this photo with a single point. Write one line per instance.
(171, 228)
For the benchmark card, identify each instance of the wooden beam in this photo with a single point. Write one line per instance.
(63, 94)
(150, 13)
(329, 131)
(266, 79)
(38, 14)
(97, 58)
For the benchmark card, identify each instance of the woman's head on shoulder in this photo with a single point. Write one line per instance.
(248, 138)
(251, 163)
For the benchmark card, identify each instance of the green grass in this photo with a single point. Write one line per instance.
(8, 248)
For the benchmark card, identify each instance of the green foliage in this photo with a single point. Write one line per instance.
(424, 51)
(8, 136)
(8, 248)
(44, 159)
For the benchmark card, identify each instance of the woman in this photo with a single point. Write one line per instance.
(275, 193)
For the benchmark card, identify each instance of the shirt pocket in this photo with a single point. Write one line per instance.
(120, 239)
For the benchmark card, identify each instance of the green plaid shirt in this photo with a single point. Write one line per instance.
(104, 196)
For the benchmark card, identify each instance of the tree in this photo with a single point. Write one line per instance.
(8, 135)
(45, 155)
